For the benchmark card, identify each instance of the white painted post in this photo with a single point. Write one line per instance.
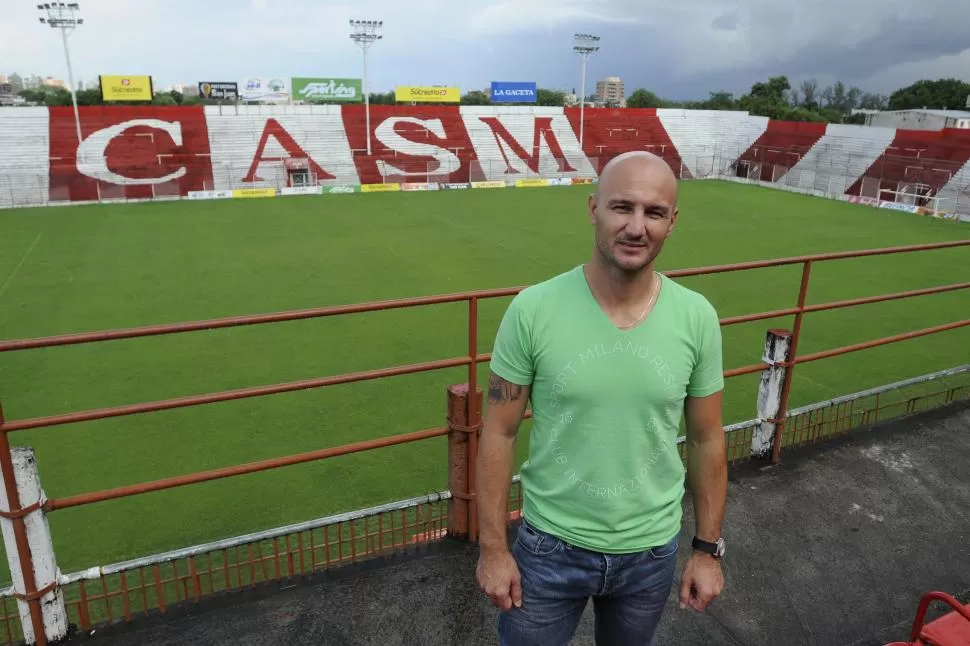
(41, 549)
(777, 344)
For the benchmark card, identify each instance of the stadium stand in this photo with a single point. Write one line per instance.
(24, 148)
(779, 148)
(927, 160)
(250, 143)
(840, 156)
(523, 143)
(155, 152)
(410, 144)
(610, 132)
(710, 141)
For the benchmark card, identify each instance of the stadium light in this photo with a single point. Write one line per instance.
(585, 44)
(365, 33)
(65, 17)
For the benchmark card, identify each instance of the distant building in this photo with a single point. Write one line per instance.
(611, 92)
(16, 82)
(917, 119)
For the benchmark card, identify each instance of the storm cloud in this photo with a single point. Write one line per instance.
(679, 49)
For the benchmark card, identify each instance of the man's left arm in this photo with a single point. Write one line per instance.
(707, 480)
(703, 579)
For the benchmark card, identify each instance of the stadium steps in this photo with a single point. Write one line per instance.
(710, 141)
(936, 159)
(779, 149)
(840, 157)
(611, 132)
(516, 143)
(409, 148)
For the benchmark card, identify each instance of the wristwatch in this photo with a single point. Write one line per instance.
(714, 549)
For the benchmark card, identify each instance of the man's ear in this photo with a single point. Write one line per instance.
(591, 208)
(673, 221)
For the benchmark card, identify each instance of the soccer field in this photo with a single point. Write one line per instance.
(97, 267)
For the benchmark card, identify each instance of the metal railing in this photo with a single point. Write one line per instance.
(460, 423)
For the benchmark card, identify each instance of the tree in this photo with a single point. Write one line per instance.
(873, 101)
(550, 97)
(720, 101)
(826, 97)
(476, 97)
(769, 99)
(949, 93)
(810, 94)
(643, 98)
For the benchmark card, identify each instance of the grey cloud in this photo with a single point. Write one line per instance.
(704, 47)
(728, 21)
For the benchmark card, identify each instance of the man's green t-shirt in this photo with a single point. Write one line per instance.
(603, 470)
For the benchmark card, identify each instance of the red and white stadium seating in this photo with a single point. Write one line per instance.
(156, 152)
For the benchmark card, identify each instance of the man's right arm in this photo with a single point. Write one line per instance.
(497, 573)
(496, 454)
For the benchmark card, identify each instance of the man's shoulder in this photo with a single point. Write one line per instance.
(548, 290)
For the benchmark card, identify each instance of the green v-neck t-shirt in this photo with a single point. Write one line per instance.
(603, 470)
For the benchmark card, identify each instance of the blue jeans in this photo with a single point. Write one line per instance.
(629, 592)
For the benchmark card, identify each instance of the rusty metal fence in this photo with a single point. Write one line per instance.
(154, 584)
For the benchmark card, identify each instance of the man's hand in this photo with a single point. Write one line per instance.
(702, 582)
(498, 576)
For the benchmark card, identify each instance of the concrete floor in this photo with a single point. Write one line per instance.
(834, 546)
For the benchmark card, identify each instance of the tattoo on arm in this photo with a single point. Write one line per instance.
(501, 391)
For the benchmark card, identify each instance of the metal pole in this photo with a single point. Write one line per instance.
(367, 102)
(70, 79)
(365, 33)
(582, 99)
(585, 45)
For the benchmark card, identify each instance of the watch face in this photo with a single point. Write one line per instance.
(720, 548)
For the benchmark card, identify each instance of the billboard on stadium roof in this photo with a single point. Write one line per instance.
(427, 94)
(117, 87)
(513, 92)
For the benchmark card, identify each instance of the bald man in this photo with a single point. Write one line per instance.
(612, 355)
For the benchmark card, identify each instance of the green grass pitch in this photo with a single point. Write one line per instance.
(111, 266)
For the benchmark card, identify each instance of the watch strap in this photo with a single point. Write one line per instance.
(706, 547)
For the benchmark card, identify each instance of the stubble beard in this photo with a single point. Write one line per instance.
(626, 270)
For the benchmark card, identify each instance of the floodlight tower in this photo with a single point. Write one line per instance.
(365, 33)
(585, 44)
(65, 17)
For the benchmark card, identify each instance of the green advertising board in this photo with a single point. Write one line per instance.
(318, 90)
(342, 188)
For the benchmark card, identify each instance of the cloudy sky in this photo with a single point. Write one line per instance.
(677, 48)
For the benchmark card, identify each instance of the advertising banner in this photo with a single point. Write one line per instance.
(896, 206)
(379, 188)
(126, 88)
(561, 181)
(868, 201)
(530, 183)
(343, 188)
(300, 190)
(419, 186)
(209, 195)
(224, 90)
(512, 92)
(327, 89)
(271, 90)
(254, 192)
(456, 186)
(492, 184)
(425, 94)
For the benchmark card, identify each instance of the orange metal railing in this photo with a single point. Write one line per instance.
(471, 417)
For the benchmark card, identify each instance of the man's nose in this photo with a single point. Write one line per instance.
(637, 224)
